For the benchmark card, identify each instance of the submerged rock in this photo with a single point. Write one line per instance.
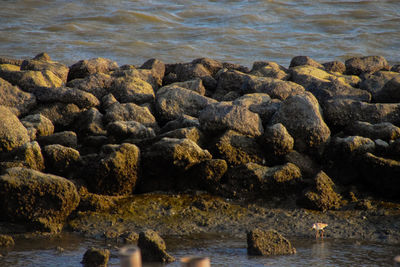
(96, 257)
(268, 243)
(153, 247)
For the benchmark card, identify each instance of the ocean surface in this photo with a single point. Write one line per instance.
(239, 31)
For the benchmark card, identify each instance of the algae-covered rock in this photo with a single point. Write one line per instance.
(374, 83)
(18, 101)
(43, 64)
(84, 68)
(12, 133)
(276, 140)
(207, 174)
(153, 247)
(96, 84)
(322, 196)
(222, 116)
(37, 125)
(65, 138)
(90, 122)
(96, 257)
(335, 66)
(43, 201)
(304, 61)
(129, 129)
(369, 64)
(131, 89)
(383, 130)
(30, 155)
(6, 241)
(191, 133)
(60, 114)
(269, 69)
(268, 243)
(60, 160)
(352, 146)
(130, 112)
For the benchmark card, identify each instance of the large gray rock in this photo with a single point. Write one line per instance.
(130, 112)
(18, 101)
(66, 95)
(12, 133)
(153, 247)
(84, 68)
(131, 89)
(259, 103)
(268, 243)
(37, 125)
(172, 101)
(302, 117)
(223, 116)
(42, 200)
(383, 130)
(96, 84)
(342, 112)
(369, 64)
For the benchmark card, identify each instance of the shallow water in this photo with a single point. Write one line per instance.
(223, 251)
(240, 31)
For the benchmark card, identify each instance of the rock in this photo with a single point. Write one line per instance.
(222, 116)
(18, 101)
(268, 243)
(370, 64)
(84, 68)
(381, 175)
(143, 74)
(191, 133)
(207, 174)
(190, 71)
(308, 167)
(38, 125)
(335, 66)
(390, 93)
(30, 155)
(165, 162)
(130, 237)
(11, 61)
(116, 170)
(130, 112)
(173, 101)
(353, 146)
(326, 85)
(6, 241)
(129, 129)
(60, 160)
(322, 196)
(383, 130)
(269, 69)
(395, 68)
(374, 83)
(12, 133)
(342, 112)
(66, 95)
(107, 101)
(183, 121)
(157, 68)
(97, 84)
(304, 61)
(90, 122)
(302, 117)
(95, 257)
(195, 85)
(28, 80)
(276, 140)
(42, 200)
(273, 87)
(95, 202)
(153, 247)
(60, 114)
(60, 70)
(131, 89)
(66, 138)
(229, 80)
(213, 66)
(238, 149)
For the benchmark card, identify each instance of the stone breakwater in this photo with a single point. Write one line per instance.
(91, 146)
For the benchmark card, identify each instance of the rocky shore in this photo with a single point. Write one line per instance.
(200, 147)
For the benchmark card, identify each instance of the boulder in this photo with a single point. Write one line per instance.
(66, 138)
(259, 103)
(18, 101)
(222, 116)
(129, 129)
(60, 114)
(190, 71)
(37, 125)
(229, 80)
(335, 66)
(84, 68)
(153, 247)
(195, 85)
(322, 195)
(352, 146)
(238, 149)
(97, 84)
(269, 69)
(11, 61)
(342, 112)
(60, 160)
(384, 130)
(30, 155)
(90, 122)
(107, 101)
(390, 93)
(157, 68)
(191, 133)
(131, 89)
(146, 75)
(307, 166)
(276, 140)
(183, 121)
(207, 174)
(173, 101)
(373, 83)
(273, 87)
(369, 64)
(115, 171)
(395, 68)
(302, 117)
(304, 61)
(130, 112)
(165, 162)
(268, 243)
(212, 65)
(43, 201)
(96, 257)
(12, 133)
(6, 241)
(43, 64)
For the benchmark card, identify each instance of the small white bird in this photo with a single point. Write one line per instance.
(319, 228)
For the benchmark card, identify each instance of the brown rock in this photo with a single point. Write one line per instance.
(95, 257)
(153, 247)
(268, 243)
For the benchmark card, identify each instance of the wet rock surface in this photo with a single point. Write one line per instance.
(268, 243)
